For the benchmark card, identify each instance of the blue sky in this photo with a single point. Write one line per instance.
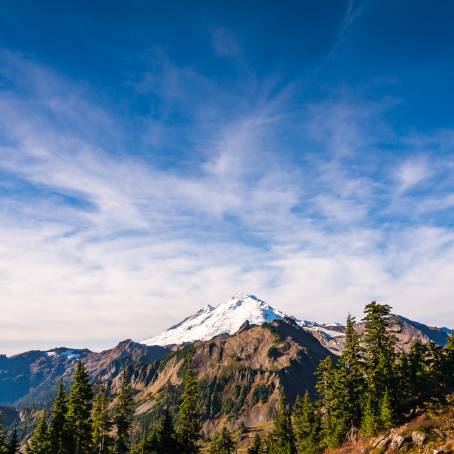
(155, 158)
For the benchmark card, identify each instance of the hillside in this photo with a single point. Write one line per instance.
(31, 378)
(240, 376)
(430, 432)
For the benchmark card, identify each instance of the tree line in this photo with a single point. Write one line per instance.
(370, 388)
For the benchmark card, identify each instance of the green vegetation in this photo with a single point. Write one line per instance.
(11, 446)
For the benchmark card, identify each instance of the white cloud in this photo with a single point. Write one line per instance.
(412, 172)
(155, 244)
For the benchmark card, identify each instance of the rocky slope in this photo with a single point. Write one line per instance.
(241, 376)
(30, 378)
(430, 432)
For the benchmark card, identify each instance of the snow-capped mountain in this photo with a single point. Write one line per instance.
(228, 317)
(209, 322)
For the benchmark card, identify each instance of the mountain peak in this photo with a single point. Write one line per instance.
(226, 318)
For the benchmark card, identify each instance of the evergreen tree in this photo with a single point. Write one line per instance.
(282, 439)
(436, 380)
(369, 421)
(335, 408)
(167, 442)
(78, 415)
(123, 412)
(57, 433)
(189, 425)
(351, 361)
(151, 442)
(160, 440)
(256, 447)
(3, 444)
(379, 358)
(448, 364)
(102, 423)
(39, 441)
(305, 424)
(222, 443)
(13, 444)
(386, 412)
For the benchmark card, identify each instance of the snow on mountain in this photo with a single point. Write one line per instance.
(67, 353)
(209, 322)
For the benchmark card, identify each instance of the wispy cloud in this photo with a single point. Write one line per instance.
(412, 172)
(103, 244)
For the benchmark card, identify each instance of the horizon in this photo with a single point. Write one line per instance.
(156, 158)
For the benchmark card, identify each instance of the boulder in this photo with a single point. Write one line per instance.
(397, 441)
(419, 438)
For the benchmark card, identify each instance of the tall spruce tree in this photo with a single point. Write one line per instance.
(102, 423)
(351, 361)
(78, 415)
(39, 441)
(379, 360)
(160, 440)
(305, 425)
(189, 425)
(222, 443)
(57, 433)
(386, 412)
(335, 411)
(3, 444)
(370, 419)
(123, 412)
(13, 444)
(282, 438)
(167, 441)
(448, 364)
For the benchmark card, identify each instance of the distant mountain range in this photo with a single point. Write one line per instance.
(244, 352)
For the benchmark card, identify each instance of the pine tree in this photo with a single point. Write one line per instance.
(13, 444)
(78, 415)
(222, 443)
(123, 412)
(189, 425)
(3, 444)
(352, 364)
(448, 364)
(305, 424)
(335, 407)
(369, 421)
(102, 423)
(167, 441)
(379, 359)
(160, 440)
(39, 441)
(282, 439)
(256, 447)
(57, 433)
(150, 443)
(386, 412)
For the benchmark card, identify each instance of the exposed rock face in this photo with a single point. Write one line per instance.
(419, 438)
(31, 377)
(428, 433)
(240, 376)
